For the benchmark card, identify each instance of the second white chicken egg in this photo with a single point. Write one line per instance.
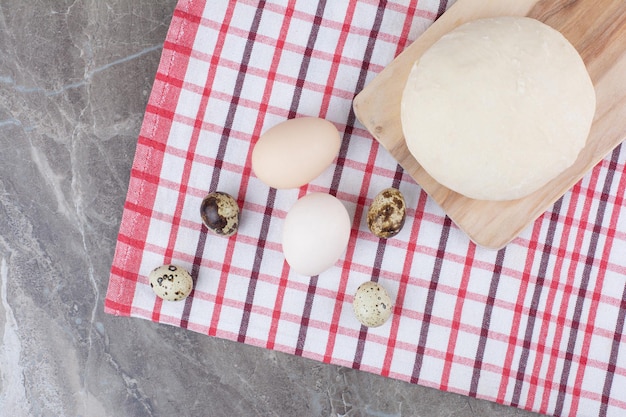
(316, 232)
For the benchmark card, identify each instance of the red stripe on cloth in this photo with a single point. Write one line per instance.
(408, 260)
(570, 289)
(611, 366)
(300, 83)
(190, 10)
(555, 285)
(142, 160)
(378, 259)
(122, 304)
(292, 113)
(619, 327)
(330, 344)
(601, 274)
(189, 157)
(287, 16)
(555, 343)
(304, 65)
(214, 65)
(486, 321)
(405, 276)
(368, 169)
(406, 28)
(535, 304)
(457, 317)
(263, 108)
(169, 80)
(278, 304)
(517, 313)
(156, 309)
(336, 59)
(427, 318)
(293, 108)
(546, 316)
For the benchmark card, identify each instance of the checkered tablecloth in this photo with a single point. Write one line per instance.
(537, 325)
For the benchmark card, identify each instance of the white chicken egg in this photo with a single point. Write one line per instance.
(295, 151)
(315, 233)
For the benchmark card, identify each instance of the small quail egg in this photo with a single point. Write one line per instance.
(171, 282)
(372, 305)
(220, 213)
(387, 213)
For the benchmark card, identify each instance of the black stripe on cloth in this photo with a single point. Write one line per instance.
(271, 194)
(293, 111)
(378, 261)
(367, 58)
(369, 48)
(256, 265)
(345, 140)
(534, 305)
(200, 247)
(195, 270)
(430, 300)
(484, 329)
(586, 276)
(443, 5)
(306, 315)
(306, 59)
(221, 151)
(610, 369)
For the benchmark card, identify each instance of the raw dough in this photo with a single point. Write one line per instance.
(498, 107)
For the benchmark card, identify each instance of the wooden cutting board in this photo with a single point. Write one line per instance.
(597, 28)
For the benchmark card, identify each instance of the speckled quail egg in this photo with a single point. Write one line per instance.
(387, 213)
(171, 282)
(372, 305)
(220, 213)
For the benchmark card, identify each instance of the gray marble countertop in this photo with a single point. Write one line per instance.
(75, 77)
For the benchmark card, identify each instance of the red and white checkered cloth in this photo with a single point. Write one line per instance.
(537, 325)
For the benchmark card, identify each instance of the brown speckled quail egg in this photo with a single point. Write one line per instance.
(387, 213)
(372, 305)
(171, 282)
(220, 213)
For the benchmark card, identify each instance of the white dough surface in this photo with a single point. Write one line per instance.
(498, 107)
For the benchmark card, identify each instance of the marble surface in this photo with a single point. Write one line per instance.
(74, 81)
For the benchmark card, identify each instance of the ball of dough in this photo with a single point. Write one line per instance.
(498, 107)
